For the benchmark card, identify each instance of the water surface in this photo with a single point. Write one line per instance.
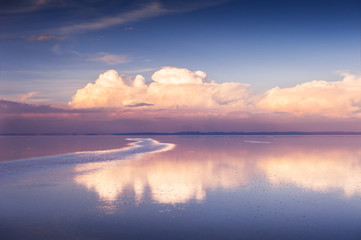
(187, 187)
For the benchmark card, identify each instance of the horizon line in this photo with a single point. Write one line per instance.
(185, 133)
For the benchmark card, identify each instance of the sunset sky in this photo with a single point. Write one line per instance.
(91, 66)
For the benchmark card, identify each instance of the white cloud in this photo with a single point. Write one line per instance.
(171, 88)
(172, 75)
(179, 88)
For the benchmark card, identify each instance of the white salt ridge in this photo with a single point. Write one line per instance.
(140, 146)
(252, 141)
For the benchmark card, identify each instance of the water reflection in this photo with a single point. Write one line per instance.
(169, 181)
(199, 165)
(327, 171)
(172, 177)
(210, 187)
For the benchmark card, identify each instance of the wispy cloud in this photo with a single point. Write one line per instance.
(151, 10)
(31, 97)
(27, 96)
(25, 6)
(42, 38)
(56, 49)
(110, 59)
(33, 38)
(140, 11)
(9, 107)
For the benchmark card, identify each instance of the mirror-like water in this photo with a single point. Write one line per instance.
(185, 187)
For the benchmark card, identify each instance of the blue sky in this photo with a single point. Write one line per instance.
(54, 48)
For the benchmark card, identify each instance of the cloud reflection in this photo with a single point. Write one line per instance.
(172, 177)
(198, 166)
(330, 171)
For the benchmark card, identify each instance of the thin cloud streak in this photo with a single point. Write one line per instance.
(34, 38)
(43, 38)
(110, 59)
(27, 96)
(31, 6)
(151, 10)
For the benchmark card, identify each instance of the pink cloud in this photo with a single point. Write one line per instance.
(320, 98)
(43, 38)
(183, 100)
(178, 88)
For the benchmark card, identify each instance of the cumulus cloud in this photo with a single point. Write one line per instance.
(171, 88)
(179, 88)
(333, 99)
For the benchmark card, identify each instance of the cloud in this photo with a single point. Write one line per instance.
(20, 6)
(183, 89)
(179, 99)
(322, 98)
(10, 107)
(171, 88)
(19, 118)
(16, 107)
(179, 88)
(27, 96)
(310, 171)
(34, 38)
(165, 178)
(110, 59)
(56, 49)
(42, 38)
(150, 10)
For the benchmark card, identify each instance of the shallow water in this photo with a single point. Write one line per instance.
(185, 187)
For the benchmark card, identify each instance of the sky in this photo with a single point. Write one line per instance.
(128, 66)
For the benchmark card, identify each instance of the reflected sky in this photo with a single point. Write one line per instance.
(190, 187)
(171, 177)
(332, 171)
(202, 164)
